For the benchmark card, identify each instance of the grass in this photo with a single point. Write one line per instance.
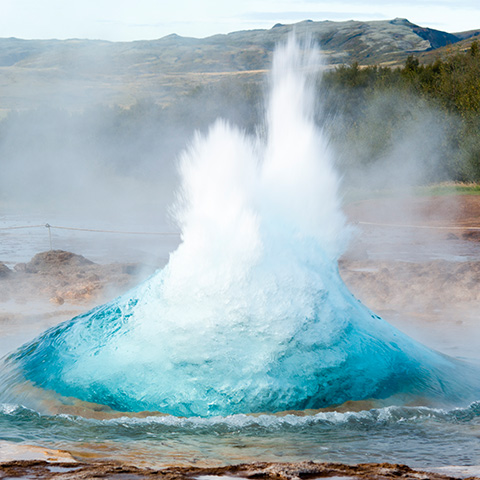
(448, 188)
(436, 189)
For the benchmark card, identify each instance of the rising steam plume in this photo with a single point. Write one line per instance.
(250, 314)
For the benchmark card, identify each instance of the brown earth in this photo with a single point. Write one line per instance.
(434, 299)
(267, 471)
(457, 211)
(374, 273)
(64, 276)
(55, 286)
(416, 262)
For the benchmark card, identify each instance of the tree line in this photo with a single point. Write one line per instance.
(420, 120)
(375, 105)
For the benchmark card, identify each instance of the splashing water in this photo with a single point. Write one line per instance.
(250, 314)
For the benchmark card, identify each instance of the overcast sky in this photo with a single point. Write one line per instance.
(125, 20)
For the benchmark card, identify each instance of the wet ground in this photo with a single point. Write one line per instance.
(415, 261)
(267, 471)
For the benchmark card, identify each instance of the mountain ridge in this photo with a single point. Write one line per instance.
(122, 72)
(409, 38)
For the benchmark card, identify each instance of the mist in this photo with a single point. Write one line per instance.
(90, 140)
(403, 261)
(105, 155)
(77, 159)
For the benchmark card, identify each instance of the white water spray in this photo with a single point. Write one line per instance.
(250, 314)
(244, 200)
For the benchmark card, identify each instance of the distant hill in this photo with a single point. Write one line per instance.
(467, 38)
(75, 73)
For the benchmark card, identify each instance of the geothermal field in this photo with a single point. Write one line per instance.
(275, 320)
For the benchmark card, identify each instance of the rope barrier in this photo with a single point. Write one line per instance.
(124, 232)
(114, 231)
(58, 227)
(435, 227)
(22, 226)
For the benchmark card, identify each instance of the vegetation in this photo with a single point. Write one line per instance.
(380, 106)
(416, 124)
(449, 188)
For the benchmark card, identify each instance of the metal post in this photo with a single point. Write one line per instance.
(49, 235)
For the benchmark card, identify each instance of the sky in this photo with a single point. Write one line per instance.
(127, 20)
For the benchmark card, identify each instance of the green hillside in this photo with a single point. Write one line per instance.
(80, 72)
(399, 102)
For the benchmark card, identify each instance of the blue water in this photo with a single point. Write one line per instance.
(250, 316)
(333, 351)
(418, 436)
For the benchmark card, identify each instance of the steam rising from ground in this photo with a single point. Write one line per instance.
(397, 142)
(56, 162)
(250, 314)
(78, 154)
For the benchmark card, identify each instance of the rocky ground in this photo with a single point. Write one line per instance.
(55, 286)
(415, 261)
(61, 277)
(267, 471)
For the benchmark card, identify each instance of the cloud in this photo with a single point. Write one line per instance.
(144, 19)
(308, 15)
(394, 3)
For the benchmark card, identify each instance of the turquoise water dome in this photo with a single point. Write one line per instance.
(250, 314)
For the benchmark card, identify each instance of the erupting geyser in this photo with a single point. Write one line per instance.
(250, 314)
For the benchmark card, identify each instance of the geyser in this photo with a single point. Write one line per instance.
(250, 314)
